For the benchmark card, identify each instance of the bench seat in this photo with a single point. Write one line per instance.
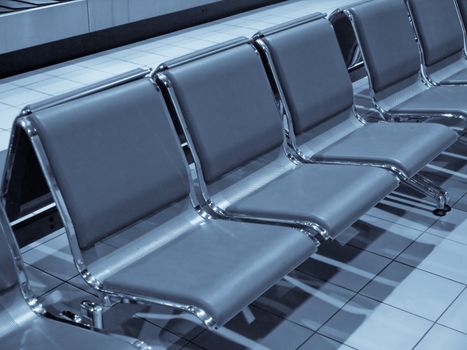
(392, 143)
(331, 195)
(220, 266)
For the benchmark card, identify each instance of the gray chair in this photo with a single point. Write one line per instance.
(227, 109)
(440, 40)
(315, 90)
(118, 176)
(25, 324)
(392, 62)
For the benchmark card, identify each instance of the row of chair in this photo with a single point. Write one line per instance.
(413, 79)
(275, 159)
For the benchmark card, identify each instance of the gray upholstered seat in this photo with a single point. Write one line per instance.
(459, 77)
(21, 328)
(441, 40)
(317, 89)
(232, 121)
(334, 196)
(438, 100)
(392, 61)
(117, 162)
(220, 266)
(409, 147)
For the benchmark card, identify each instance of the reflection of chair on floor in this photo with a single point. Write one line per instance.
(25, 324)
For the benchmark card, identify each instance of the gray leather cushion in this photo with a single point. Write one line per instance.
(312, 72)
(408, 146)
(438, 28)
(229, 107)
(115, 157)
(441, 99)
(220, 266)
(334, 196)
(8, 274)
(387, 41)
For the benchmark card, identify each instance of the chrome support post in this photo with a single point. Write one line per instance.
(93, 313)
(430, 189)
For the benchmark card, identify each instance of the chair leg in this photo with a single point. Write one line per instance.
(429, 188)
(94, 313)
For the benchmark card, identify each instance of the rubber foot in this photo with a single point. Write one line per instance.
(440, 212)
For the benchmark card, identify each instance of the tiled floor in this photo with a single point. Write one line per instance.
(395, 280)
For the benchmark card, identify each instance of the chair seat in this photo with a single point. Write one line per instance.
(43, 334)
(408, 146)
(333, 196)
(459, 77)
(219, 266)
(437, 100)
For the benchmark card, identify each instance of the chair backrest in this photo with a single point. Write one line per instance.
(438, 27)
(228, 106)
(115, 157)
(311, 71)
(345, 37)
(387, 41)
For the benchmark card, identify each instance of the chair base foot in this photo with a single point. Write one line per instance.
(93, 314)
(442, 212)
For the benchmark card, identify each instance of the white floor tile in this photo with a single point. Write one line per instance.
(260, 331)
(63, 69)
(319, 342)
(4, 87)
(53, 257)
(440, 337)
(462, 203)
(452, 226)
(27, 79)
(88, 76)
(399, 209)
(173, 51)
(219, 37)
(116, 66)
(194, 44)
(366, 324)
(55, 86)
(456, 316)
(7, 116)
(4, 139)
(21, 97)
(379, 236)
(437, 255)
(413, 290)
(40, 281)
(304, 300)
(345, 266)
